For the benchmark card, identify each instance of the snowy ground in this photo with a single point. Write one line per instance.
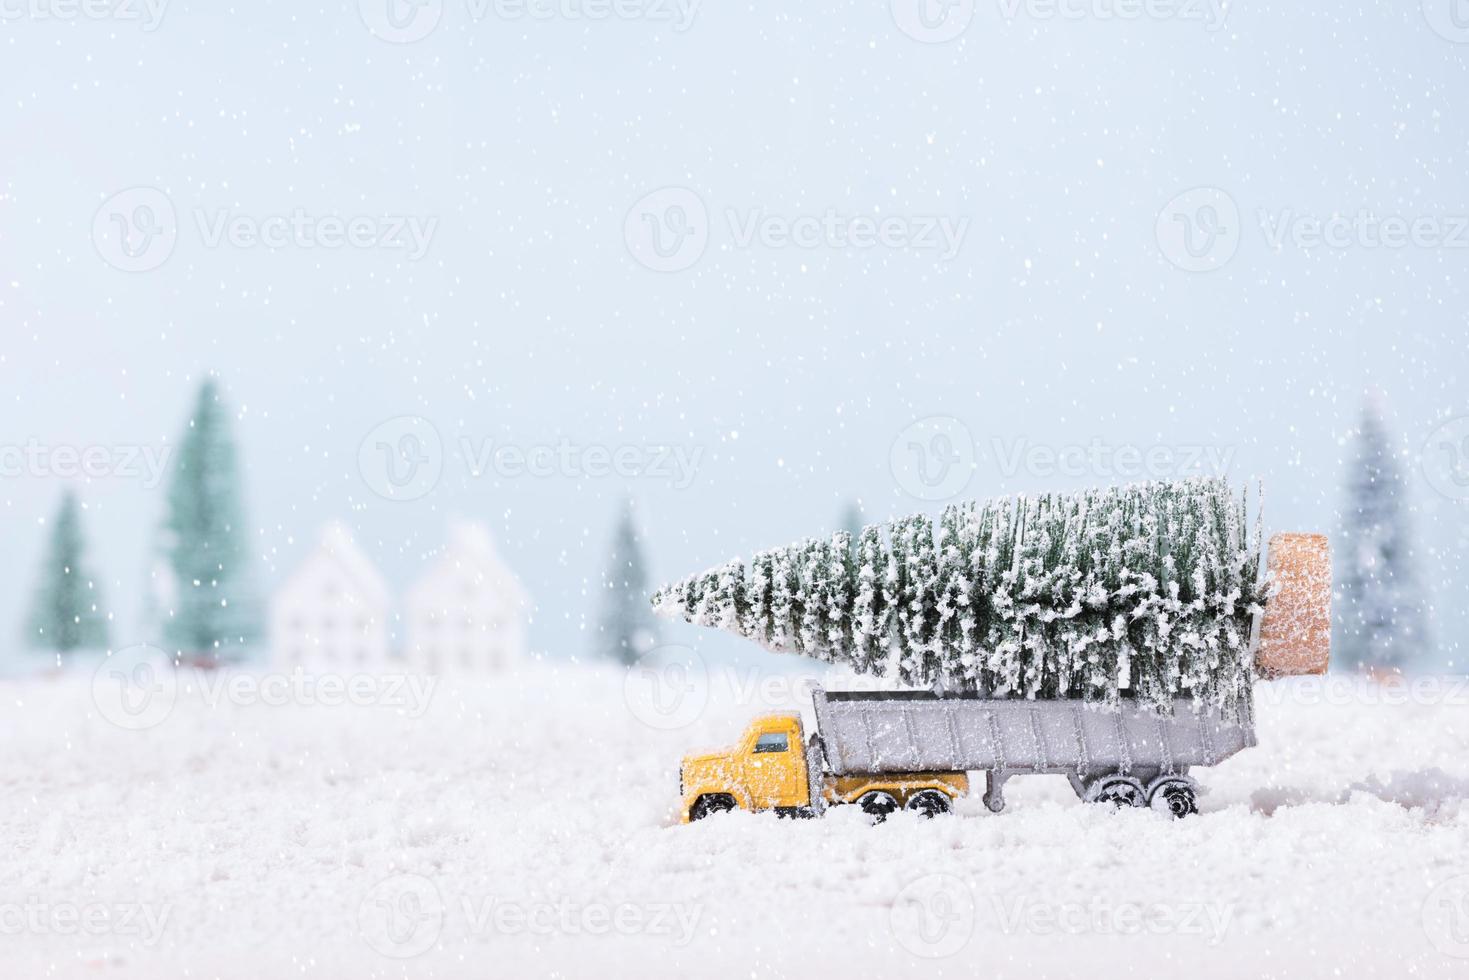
(528, 830)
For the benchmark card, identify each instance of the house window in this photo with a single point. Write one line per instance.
(772, 742)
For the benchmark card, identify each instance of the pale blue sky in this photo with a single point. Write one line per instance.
(789, 371)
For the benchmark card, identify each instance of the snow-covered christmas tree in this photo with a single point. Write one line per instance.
(1380, 624)
(67, 612)
(1146, 591)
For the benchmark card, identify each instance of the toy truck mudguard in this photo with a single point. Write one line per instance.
(1129, 756)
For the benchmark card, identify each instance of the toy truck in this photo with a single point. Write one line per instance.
(774, 767)
(913, 750)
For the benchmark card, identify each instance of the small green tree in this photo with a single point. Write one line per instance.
(627, 630)
(67, 612)
(209, 607)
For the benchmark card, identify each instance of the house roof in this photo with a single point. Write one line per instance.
(469, 557)
(337, 550)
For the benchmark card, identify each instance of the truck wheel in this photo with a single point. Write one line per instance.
(929, 803)
(1116, 790)
(706, 806)
(877, 805)
(1175, 797)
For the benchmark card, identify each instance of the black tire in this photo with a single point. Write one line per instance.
(878, 805)
(706, 806)
(1119, 791)
(929, 803)
(1175, 799)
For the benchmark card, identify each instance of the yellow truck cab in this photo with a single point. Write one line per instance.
(773, 767)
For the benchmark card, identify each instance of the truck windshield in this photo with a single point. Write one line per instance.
(772, 742)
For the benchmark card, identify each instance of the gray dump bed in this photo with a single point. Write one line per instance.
(917, 731)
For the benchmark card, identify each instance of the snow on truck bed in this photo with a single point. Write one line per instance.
(525, 827)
